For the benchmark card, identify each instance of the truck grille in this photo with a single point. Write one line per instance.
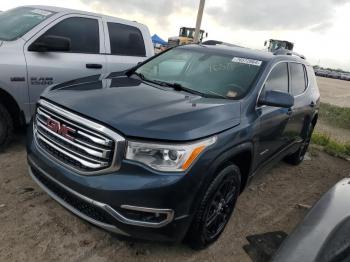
(77, 142)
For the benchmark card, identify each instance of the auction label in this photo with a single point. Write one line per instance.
(41, 12)
(247, 61)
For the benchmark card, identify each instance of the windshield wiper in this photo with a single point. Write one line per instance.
(179, 87)
(145, 79)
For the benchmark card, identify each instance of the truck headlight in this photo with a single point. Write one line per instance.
(167, 157)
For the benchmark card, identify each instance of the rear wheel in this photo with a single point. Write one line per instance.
(6, 127)
(215, 209)
(298, 157)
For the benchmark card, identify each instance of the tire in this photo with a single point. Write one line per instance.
(215, 208)
(6, 128)
(298, 157)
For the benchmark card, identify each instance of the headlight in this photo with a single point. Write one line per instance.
(167, 157)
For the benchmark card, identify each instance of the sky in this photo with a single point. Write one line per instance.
(320, 29)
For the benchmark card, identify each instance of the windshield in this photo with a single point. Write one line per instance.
(16, 22)
(211, 74)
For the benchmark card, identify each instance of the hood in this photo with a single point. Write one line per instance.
(140, 110)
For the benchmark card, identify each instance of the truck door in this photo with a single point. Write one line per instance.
(125, 46)
(273, 132)
(86, 56)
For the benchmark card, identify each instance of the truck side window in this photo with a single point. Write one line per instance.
(298, 81)
(83, 33)
(126, 40)
(278, 79)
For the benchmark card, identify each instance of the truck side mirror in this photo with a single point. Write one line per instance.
(265, 44)
(206, 35)
(51, 43)
(276, 99)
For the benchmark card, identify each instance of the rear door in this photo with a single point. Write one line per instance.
(85, 58)
(125, 46)
(273, 133)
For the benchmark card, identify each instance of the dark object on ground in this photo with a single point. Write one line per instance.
(262, 247)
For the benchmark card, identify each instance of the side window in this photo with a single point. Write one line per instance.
(298, 78)
(278, 79)
(82, 32)
(126, 40)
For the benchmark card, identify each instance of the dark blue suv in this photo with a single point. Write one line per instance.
(163, 150)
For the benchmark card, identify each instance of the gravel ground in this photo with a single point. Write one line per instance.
(36, 228)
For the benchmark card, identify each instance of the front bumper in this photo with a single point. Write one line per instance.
(108, 200)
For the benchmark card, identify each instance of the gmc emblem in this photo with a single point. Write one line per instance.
(59, 128)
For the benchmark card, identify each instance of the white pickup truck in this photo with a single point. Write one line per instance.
(41, 46)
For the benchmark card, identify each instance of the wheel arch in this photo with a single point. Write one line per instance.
(240, 155)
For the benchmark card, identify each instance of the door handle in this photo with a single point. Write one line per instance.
(94, 66)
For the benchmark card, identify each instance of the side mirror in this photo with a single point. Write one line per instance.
(276, 99)
(51, 43)
(206, 35)
(265, 44)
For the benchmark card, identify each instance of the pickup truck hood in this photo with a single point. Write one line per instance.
(141, 110)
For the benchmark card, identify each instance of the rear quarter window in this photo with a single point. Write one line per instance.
(126, 40)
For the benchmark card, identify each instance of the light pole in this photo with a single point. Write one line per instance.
(199, 20)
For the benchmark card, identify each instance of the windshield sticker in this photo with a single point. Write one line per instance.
(247, 61)
(41, 12)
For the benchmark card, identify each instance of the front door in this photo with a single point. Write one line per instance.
(273, 132)
(86, 56)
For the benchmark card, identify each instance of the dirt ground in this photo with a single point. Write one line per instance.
(36, 228)
(334, 91)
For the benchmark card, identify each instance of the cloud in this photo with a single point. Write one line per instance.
(153, 9)
(249, 14)
(275, 14)
(321, 27)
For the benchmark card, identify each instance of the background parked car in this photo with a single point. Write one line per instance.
(345, 76)
(41, 45)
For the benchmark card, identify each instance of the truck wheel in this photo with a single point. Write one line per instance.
(298, 157)
(6, 127)
(215, 208)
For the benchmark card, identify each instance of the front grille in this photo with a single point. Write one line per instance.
(84, 207)
(69, 139)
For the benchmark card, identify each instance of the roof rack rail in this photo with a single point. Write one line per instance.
(216, 42)
(283, 51)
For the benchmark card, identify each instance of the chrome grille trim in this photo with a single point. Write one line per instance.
(96, 149)
(80, 160)
(97, 140)
(102, 153)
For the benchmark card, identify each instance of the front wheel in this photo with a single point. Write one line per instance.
(215, 209)
(6, 127)
(298, 157)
